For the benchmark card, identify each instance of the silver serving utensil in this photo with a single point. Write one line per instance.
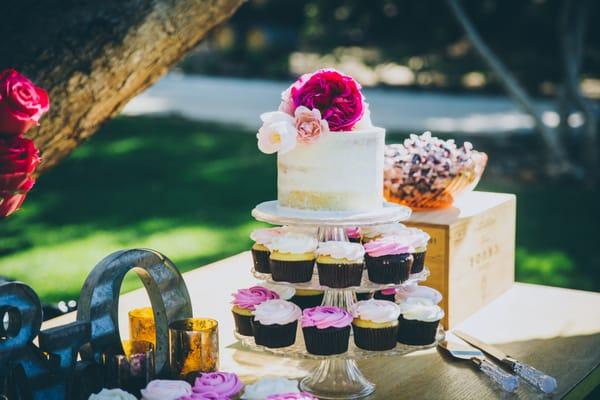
(538, 379)
(508, 382)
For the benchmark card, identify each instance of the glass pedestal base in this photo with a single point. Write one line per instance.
(337, 378)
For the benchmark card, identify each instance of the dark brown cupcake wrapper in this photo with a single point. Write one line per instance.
(378, 295)
(261, 261)
(419, 262)
(340, 275)
(243, 324)
(394, 268)
(354, 240)
(274, 336)
(375, 339)
(308, 301)
(415, 332)
(326, 342)
(364, 296)
(292, 271)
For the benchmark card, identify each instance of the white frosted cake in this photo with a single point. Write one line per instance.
(330, 157)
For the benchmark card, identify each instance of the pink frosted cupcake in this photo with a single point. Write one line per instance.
(244, 302)
(218, 385)
(293, 396)
(353, 234)
(326, 330)
(388, 260)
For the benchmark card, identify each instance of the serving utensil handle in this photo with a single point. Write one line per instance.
(540, 380)
(508, 382)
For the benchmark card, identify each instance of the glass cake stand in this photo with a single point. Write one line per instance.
(338, 376)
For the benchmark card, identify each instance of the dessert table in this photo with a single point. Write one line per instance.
(556, 330)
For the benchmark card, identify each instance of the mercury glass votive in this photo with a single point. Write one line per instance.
(193, 347)
(141, 325)
(133, 370)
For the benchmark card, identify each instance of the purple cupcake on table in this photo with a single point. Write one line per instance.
(293, 396)
(388, 260)
(219, 385)
(326, 330)
(244, 302)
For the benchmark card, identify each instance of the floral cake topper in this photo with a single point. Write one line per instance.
(316, 104)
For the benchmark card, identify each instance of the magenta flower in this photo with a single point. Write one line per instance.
(335, 95)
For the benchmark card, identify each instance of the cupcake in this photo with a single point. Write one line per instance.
(385, 294)
(340, 264)
(260, 252)
(425, 292)
(373, 232)
(326, 330)
(417, 239)
(112, 394)
(275, 323)
(388, 260)
(292, 257)
(353, 234)
(418, 322)
(269, 386)
(244, 302)
(225, 385)
(160, 389)
(375, 324)
(293, 396)
(364, 296)
(307, 298)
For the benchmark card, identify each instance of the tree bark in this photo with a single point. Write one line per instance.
(93, 56)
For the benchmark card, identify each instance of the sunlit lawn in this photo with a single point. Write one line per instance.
(186, 189)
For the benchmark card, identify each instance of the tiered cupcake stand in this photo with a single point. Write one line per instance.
(338, 376)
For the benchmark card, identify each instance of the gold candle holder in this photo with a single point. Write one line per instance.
(133, 370)
(141, 325)
(193, 347)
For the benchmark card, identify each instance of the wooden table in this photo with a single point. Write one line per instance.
(555, 330)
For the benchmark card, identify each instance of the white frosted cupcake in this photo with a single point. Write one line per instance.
(415, 291)
(419, 320)
(269, 386)
(161, 389)
(418, 239)
(340, 264)
(292, 257)
(375, 324)
(275, 323)
(112, 394)
(260, 252)
(378, 231)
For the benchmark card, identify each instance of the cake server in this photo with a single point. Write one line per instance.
(540, 380)
(508, 382)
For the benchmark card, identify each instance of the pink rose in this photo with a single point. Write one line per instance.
(22, 104)
(309, 124)
(335, 95)
(18, 159)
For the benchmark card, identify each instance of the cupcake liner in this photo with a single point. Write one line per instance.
(364, 296)
(375, 339)
(419, 262)
(354, 240)
(340, 275)
(308, 301)
(243, 324)
(380, 296)
(292, 271)
(415, 332)
(274, 336)
(393, 268)
(326, 342)
(261, 261)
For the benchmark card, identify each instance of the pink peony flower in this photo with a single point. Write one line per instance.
(309, 124)
(335, 95)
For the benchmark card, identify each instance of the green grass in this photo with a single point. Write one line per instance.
(187, 188)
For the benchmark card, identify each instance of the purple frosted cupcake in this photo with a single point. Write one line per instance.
(418, 322)
(275, 323)
(292, 257)
(340, 264)
(385, 294)
(388, 260)
(353, 234)
(293, 396)
(326, 330)
(223, 385)
(260, 251)
(244, 302)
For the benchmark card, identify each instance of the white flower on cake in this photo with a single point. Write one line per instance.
(277, 134)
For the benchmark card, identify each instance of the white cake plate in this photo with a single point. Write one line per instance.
(272, 213)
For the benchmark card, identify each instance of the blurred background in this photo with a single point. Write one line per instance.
(179, 171)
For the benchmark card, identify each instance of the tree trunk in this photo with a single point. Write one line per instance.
(94, 56)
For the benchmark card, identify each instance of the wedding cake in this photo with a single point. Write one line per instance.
(329, 155)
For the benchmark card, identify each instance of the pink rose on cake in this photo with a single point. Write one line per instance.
(309, 124)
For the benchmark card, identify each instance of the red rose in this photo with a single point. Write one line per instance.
(22, 104)
(18, 159)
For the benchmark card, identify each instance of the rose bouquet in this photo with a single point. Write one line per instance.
(22, 104)
(316, 104)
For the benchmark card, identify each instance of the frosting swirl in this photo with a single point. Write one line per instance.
(225, 384)
(323, 317)
(250, 298)
(376, 231)
(292, 242)
(353, 232)
(279, 312)
(421, 309)
(264, 236)
(112, 394)
(426, 292)
(414, 237)
(293, 396)
(387, 245)
(160, 389)
(285, 292)
(269, 386)
(378, 311)
(205, 396)
(337, 249)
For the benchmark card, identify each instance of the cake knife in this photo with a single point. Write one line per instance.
(540, 380)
